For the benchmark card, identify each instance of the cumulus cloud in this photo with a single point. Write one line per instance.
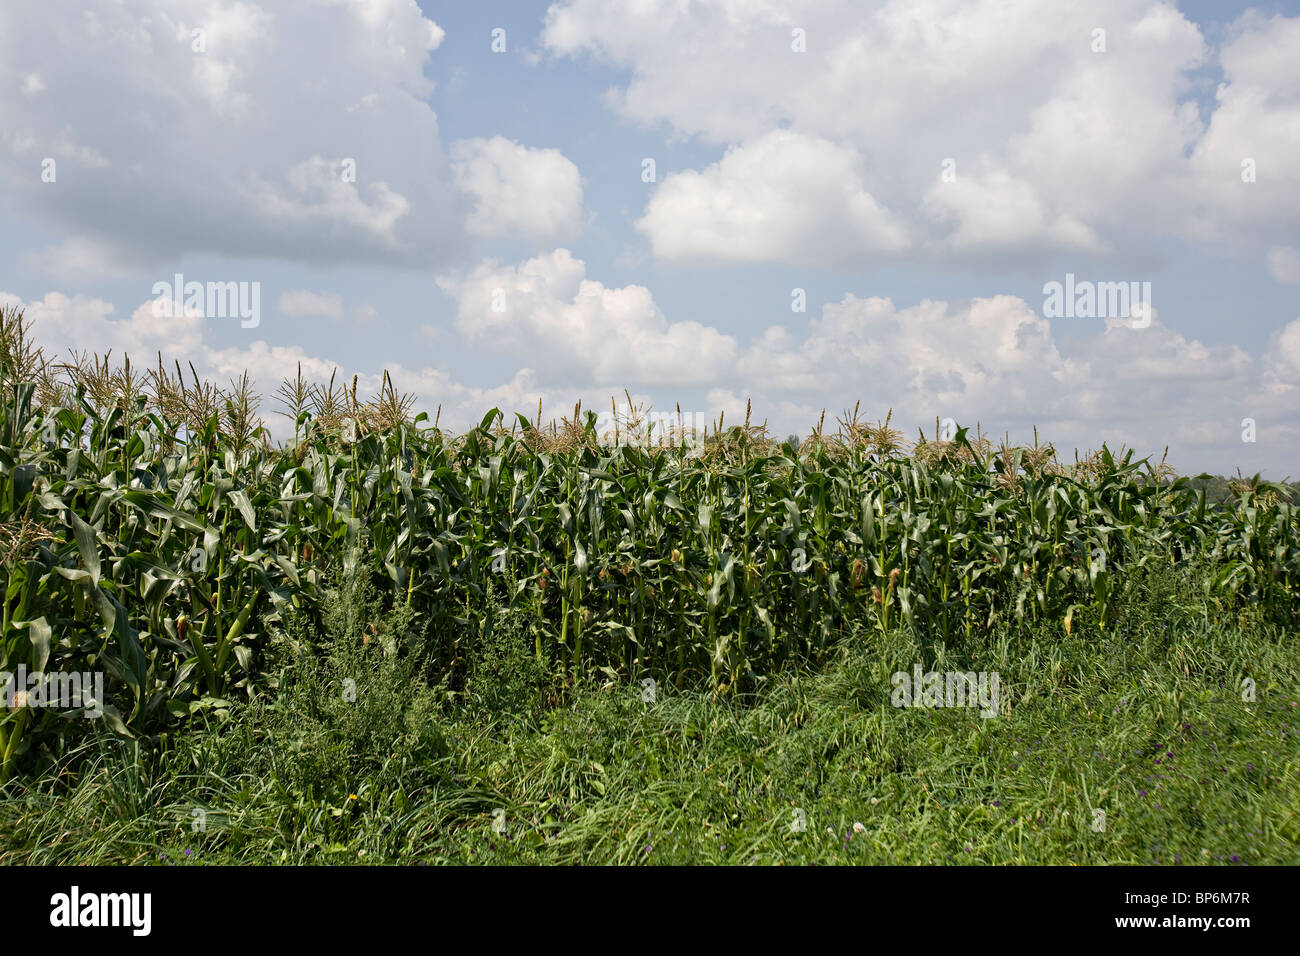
(190, 129)
(1282, 361)
(581, 330)
(1284, 264)
(995, 361)
(781, 197)
(1245, 162)
(993, 354)
(995, 211)
(532, 193)
(1063, 139)
(302, 302)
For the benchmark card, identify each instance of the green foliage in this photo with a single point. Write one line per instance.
(154, 534)
(1144, 721)
(506, 676)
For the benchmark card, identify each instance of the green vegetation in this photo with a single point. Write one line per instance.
(376, 635)
(1144, 721)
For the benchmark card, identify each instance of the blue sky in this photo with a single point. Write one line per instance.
(520, 172)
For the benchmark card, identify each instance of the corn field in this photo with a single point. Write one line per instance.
(150, 530)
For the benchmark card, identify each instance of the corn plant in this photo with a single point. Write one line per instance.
(150, 530)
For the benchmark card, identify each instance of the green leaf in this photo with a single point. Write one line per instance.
(39, 634)
(87, 545)
(240, 498)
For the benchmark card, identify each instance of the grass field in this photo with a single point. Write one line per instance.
(1145, 722)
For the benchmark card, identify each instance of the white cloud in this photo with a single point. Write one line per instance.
(518, 191)
(994, 354)
(78, 258)
(238, 150)
(1256, 120)
(317, 197)
(1057, 148)
(1282, 362)
(781, 197)
(994, 210)
(995, 362)
(581, 330)
(1284, 265)
(303, 302)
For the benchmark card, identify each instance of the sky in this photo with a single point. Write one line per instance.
(803, 204)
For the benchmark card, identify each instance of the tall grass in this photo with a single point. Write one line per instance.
(1144, 721)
